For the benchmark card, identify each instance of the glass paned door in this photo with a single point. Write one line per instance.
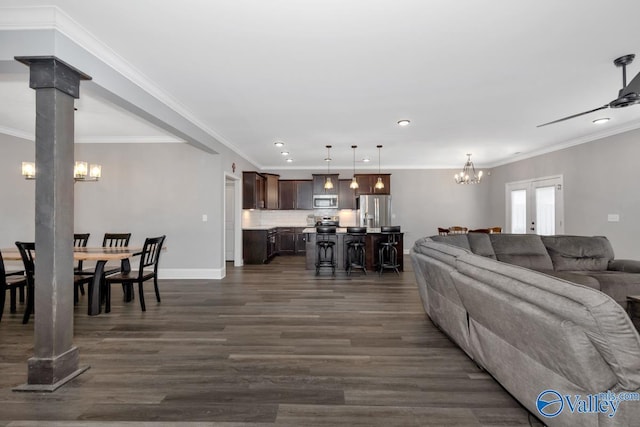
(535, 206)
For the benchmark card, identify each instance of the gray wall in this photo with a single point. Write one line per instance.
(599, 179)
(147, 189)
(423, 200)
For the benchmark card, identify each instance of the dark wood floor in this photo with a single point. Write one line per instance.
(268, 345)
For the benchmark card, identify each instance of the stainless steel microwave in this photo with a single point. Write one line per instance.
(325, 201)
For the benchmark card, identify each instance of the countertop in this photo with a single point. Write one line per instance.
(269, 227)
(341, 230)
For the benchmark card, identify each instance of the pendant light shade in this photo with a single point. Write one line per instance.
(379, 185)
(328, 184)
(354, 182)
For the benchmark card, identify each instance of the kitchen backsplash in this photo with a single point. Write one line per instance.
(292, 218)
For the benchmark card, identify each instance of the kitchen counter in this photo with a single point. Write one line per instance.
(340, 230)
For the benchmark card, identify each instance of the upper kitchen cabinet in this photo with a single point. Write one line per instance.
(367, 182)
(259, 191)
(271, 190)
(319, 181)
(346, 195)
(295, 194)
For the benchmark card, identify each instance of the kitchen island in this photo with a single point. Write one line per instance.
(373, 237)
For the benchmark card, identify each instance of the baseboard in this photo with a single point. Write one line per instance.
(192, 273)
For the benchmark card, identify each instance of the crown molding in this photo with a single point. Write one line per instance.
(99, 139)
(17, 133)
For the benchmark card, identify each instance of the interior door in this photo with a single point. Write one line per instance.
(229, 221)
(535, 206)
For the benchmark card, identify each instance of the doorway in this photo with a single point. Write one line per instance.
(535, 206)
(232, 220)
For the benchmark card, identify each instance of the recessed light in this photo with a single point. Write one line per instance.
(289, 160)
(279, 144)
(366, 160)
(601, 120)
(284, 153)
(403, 122)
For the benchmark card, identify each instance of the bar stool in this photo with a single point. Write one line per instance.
(325, 243)
(387, 252)
(355, 249)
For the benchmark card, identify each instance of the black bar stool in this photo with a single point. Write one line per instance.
(325, 243)
(387, 252)
(355, 248)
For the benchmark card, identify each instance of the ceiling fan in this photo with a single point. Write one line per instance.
(628, 95)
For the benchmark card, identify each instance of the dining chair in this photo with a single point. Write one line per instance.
(456, 229)
(494, 230)
(443, 231)
(27, 250)
(80, 240)
(11, 284)
(148, 269)
(480, 230)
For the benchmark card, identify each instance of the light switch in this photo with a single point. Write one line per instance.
(613, 218)
(204, 218)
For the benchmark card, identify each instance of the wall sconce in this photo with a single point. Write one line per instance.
(81, 171)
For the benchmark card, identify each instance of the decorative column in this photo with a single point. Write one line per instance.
(56, 359)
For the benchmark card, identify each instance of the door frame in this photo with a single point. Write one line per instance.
(237, 219)
(509, 186)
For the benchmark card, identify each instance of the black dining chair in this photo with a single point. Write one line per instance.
(80, 240)
(10, 283)
(27, 250)
(148, 269)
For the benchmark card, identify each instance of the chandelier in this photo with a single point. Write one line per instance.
(468, 174)
(81, 171)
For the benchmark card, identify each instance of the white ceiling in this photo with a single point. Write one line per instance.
(472, 76)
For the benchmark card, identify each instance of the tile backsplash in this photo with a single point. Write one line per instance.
(292, 218)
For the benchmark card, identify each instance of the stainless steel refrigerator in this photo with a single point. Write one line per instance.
(373, 210)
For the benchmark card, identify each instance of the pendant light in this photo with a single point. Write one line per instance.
(354, 181)
(328, 184)
(379, 185)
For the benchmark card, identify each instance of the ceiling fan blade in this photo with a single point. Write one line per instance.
(632, 87)
(575, 115)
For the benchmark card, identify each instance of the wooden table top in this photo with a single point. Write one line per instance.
(85, 254)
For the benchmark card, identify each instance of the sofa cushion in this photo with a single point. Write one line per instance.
(459, 240)
(617, 284)
(525, 250)
(480, 244)
(580, 277)
(579, 252)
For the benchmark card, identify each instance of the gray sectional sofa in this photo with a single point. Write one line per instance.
(539, 313)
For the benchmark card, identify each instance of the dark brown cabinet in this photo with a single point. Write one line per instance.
(258, 246)
(271, 190)
(320, 179)
(291, 241)
(259, 191)
(295, 194)
(367, 182)
(346, 195)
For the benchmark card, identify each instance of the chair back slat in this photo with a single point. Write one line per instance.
(151, 252)
(116, 239)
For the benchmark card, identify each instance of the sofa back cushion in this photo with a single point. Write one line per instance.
(459, 240)
(579, 253)
(525, 250)
(480, 244)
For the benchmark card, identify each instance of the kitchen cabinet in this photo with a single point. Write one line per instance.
(253, 190)
(295, 194)
(271, 190)
(291, 241)
(367, 182)
(258, 246)
(320, 179)
(346, 195)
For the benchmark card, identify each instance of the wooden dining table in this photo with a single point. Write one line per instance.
(101, 255)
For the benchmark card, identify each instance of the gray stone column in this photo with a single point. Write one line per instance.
(56, 359)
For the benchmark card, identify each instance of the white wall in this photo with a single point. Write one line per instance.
(599, 179)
